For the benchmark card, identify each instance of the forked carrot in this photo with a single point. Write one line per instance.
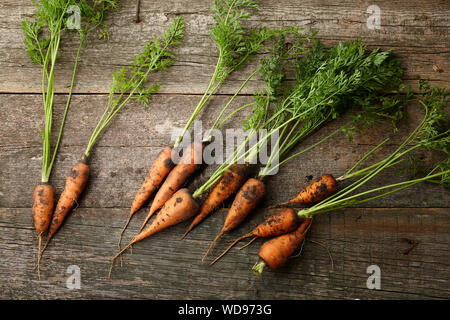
(245, 201)
(230, 182)
(283, 221)
(275, 252)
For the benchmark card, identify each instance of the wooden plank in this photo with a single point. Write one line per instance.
(122, 157)
(420, 40)
(162, 267)
(380, 233)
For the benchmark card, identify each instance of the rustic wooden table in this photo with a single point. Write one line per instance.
(407, 235)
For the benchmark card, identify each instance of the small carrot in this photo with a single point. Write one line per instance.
(245, 201)
(180, 207)
(275, 252)
(283, 221)
(182, 171)
(159, 170)
(230, 182)
(316, 191)
(43, 204)
(75, 184)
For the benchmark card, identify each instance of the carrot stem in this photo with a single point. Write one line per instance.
(258, 268)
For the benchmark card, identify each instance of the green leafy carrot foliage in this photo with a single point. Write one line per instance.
(132, 82)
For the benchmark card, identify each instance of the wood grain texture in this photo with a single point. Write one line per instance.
(355, 238)
(419, 36)
(381, 233)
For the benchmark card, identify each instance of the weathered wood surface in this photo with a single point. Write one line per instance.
(122, 157)
(379, 233)
(164, 267)
(416, 30)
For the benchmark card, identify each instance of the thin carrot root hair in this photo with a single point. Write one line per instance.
(39, 254)
(326, 248)
(119, 255)
(248, 243)
(121, 235)
(231, 246)
(221, 233)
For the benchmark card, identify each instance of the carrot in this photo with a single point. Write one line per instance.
(43, 204)
(75, 184)
(245, 201)
(283, 221)
(182, 171)
(316, 191)
(180, 207)
(159, 170)
(230, 182)
(275, 252)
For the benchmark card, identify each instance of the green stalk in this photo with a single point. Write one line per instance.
(113, 107)
(268, 172)
(215, 126)
(365, 157)
(348, 201)
(69, 99)
(201, 103)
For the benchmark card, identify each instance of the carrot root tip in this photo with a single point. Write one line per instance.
(186, 233)
(212, 245)
(39, 256)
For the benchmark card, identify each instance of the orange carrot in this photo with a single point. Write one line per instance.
(245, 201)
(182, 171)
(230, 182)
(180, 207)
(159, 170)
(316, 191)
(75, 184)
(275, 252)
(283, 221)
(43, 204)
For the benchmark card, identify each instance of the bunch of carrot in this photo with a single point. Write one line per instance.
(345, 74)
(236, 48)
(128, 83)
(330, 81)
(43, 39)
(432, 133)
(335, 78)
(181, 205)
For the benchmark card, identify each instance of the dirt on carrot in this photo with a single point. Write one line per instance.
(180, 207)
(316, 191)
(189, 162)
(43, 204)
(231, 181)
(275, 252)
(160, 169)
(245, 201)
(75, 184)
(283, 221)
